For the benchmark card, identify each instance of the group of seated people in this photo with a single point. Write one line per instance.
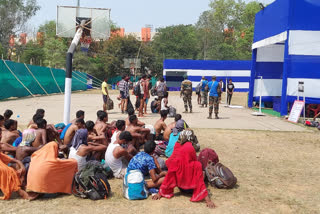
(44, 158)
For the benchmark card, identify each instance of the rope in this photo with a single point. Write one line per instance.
(96, 79)
(55, 81)
(36, 79)
(81, 81)
(93, 81)
(17, 78)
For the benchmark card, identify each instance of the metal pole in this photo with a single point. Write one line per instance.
(260, 101)
(68, 80)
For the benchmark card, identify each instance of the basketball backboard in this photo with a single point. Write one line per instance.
(97, 21)
(132, 63)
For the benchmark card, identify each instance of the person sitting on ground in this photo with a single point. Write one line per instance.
(174, 136)
(80, 148)
(10, 134)
(93, 135)
(7, 114)
(79, 115)
(2, 122)
(51, 132)
(12, 178)
(148, 165)
(131, 112)
(101, 125)
(117, 157)
(140, 135)
(185, 172)
(155, 105)
(4, 147)
(121, 126)
(49, 174)
(72, 130)
(41, 133)
(167, 132)
(164, 102)
(160, 125)
(40, 113)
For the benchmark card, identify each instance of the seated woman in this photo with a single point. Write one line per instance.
(148, 165)
(185, 172)
(174, 136)
(48, 174)
(12, 178)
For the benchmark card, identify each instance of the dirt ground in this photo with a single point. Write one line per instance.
(277, 168)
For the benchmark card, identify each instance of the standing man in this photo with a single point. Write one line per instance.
(143, 92)
(147, 93)
(214, 91)
(221, 83)
(105, 95)
(230, 89)
(204, 92)
(122, 90)
(186, 92)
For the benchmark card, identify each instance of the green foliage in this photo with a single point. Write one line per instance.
(55, 52)
(13, 15)
(32, 52)
(49, 29)
(226, 31)
(176, 42)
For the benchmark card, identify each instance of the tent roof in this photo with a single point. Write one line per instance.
(283, 15)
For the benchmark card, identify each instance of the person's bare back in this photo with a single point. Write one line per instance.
(70, 134)
(9, 136)
(41, 138)
(159, 127)
(168, 131)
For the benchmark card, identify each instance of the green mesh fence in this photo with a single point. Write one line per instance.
(19, 80)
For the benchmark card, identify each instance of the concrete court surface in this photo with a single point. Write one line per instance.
(91, 101)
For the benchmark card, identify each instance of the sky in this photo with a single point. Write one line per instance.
(132, 14)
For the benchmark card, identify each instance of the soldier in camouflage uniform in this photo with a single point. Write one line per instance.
(186, 92)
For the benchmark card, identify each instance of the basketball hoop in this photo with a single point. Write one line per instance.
(85, 42)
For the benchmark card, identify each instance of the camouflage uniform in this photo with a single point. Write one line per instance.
(186, 92)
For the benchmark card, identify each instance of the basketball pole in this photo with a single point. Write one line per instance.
(68, 80)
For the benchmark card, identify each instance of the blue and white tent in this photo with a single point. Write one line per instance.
(286, 50)
(174, 71)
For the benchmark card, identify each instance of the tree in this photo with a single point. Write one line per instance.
(49, 29)
(13, 15)
(55, 52)
(226, 31)
(176, 42)
(33, 52)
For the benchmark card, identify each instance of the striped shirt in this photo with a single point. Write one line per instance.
(122, 85)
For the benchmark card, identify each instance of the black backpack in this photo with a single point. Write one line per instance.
(137, 89)
(91, 182)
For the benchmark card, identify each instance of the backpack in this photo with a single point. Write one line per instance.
(220, 176)
(134, 187)
(91, 182)
(206, 155)
(172, 111)
(109, 104)
(137, 89)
